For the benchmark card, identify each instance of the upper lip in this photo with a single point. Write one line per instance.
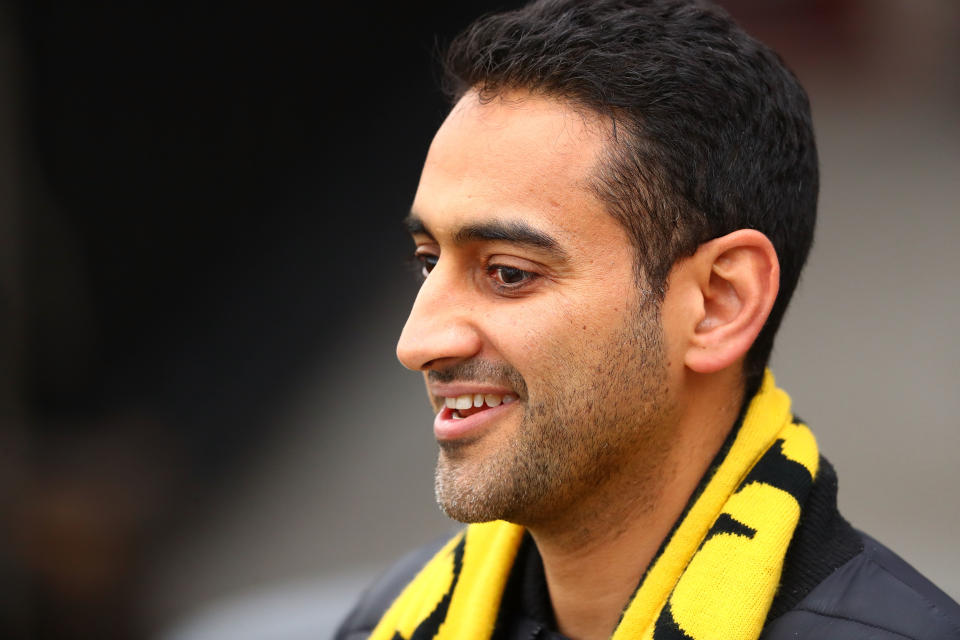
(455, 389)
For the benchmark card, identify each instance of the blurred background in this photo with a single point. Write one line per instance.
(203, 429)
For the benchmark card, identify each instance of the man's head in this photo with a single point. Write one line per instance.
(593, 221)
(712, 133)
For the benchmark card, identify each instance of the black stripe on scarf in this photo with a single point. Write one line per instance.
(667, 628)
(431, 624)
(777, 470)
(726, 523)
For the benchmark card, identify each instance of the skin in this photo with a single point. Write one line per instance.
(622, 399)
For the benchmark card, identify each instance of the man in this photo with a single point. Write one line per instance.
(610, 224)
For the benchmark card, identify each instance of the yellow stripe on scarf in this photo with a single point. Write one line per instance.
(716, 577)
(488, 553)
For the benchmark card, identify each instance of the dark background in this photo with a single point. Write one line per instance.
(199, 207)
(206, 193)
(221, 177)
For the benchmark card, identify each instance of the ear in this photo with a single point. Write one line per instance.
(738, 277)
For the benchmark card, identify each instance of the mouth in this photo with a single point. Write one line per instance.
(467, 415)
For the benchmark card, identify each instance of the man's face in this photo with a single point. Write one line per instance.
(531, 310)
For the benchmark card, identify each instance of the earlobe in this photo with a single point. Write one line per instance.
(739, 277)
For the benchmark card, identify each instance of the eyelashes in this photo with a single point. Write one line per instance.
(509, 277)
(423, 263)
(504, 278)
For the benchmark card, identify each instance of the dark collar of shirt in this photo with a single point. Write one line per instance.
(525, 611)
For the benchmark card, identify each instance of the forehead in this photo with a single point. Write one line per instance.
(517, 156)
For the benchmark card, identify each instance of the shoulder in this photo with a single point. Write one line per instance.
(371, 606)
(875, 594)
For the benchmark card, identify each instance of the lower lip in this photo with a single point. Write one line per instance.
(447, 428)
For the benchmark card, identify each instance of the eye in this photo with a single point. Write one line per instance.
(426, 263)
(509, 277)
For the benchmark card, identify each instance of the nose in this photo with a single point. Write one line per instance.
(440, 330)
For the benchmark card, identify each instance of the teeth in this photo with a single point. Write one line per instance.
(477, 400)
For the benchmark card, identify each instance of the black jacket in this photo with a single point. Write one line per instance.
(837, 583)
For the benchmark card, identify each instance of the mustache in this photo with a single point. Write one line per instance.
(483, 371)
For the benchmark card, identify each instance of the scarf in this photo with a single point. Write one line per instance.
(714, 577)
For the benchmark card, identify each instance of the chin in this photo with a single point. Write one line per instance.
(472, 495)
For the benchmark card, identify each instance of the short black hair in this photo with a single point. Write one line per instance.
(712, 132)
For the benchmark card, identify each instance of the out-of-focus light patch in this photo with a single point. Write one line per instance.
(292, 611)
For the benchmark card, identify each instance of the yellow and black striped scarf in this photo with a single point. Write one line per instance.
(715, 577)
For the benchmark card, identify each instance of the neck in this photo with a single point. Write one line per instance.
(594, 555)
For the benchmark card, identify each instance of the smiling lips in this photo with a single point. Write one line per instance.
(468, 415)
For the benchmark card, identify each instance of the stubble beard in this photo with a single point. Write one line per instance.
(581, 432)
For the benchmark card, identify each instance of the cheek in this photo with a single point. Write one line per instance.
(556, 339)
(675, 320)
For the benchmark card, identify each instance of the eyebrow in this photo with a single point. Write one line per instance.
(512, 231)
